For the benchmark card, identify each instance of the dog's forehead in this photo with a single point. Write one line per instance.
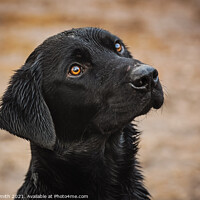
(90, 34)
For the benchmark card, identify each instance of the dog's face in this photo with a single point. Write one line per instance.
(90, 78)
(93, 78)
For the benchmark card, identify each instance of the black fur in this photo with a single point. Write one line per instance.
(82, 141)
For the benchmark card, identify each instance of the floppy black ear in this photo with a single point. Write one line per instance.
(23, 110)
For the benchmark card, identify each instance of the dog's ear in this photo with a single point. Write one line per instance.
(23, 109)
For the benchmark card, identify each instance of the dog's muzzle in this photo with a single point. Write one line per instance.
(145, 78)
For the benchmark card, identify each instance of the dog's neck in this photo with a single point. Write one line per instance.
(71, 168)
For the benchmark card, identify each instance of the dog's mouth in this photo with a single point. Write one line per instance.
(113, 118)
(155, 101)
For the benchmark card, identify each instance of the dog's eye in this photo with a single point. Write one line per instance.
(75, 70)
(118, 47)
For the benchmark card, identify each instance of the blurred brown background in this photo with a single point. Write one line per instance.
(164, 34)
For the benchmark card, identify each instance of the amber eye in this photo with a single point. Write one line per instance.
(118, 47)
(75, 70)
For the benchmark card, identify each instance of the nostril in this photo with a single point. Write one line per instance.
(141, 82)
(155, 76)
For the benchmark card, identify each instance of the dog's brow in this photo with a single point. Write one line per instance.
(82, 54)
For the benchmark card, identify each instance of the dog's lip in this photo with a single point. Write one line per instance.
(157, 98)
(157, 102)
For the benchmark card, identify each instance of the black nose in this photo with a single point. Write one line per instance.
(144, 77)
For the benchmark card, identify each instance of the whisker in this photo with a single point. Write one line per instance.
(165, 89)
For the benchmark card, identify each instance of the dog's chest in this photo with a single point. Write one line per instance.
(107, 171)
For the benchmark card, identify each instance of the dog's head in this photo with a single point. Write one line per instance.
(77, 79)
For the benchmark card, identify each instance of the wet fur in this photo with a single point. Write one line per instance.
(72, 154)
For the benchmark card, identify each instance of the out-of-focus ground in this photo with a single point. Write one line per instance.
(165, 34)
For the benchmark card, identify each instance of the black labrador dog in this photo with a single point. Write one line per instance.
(74, 100)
